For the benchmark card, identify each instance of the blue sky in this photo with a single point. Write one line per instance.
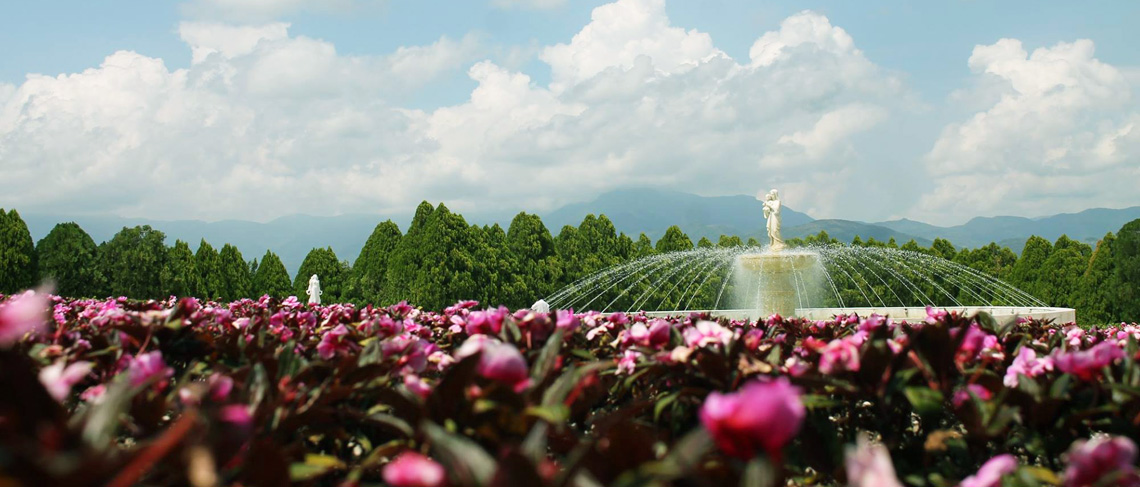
(903, 100)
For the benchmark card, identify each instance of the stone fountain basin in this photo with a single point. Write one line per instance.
(1002, 314)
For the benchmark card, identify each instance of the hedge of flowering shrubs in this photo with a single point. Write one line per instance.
(264, 392)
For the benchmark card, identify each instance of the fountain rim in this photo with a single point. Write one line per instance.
(1002, 314)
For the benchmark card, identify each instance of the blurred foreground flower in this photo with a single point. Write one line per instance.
(762, 415)
(411, 469)
(22, 314)
(58, 380)
(1102, 461)
(869, 465)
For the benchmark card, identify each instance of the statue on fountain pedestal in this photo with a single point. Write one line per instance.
(772, 214)
(314, 290)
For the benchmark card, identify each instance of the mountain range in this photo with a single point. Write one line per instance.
(633, 211)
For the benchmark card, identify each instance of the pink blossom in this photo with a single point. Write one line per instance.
(93, 394)
(840, 354)
(1093, 462)
(502, 362)
(1026, 363)
(220, 386)
(410, 469)
(991, 472)
(963, 394)
(334, 342)
(566, 320)
(417, 385)
(977, 344)
(707, 333)
(22, 314)
(628, 362)
(1087, 364)
(237, 415)
(869, 465)
(1073, 336)
(763, 415)
(146, 367)
(488, 322)
(934, 315)
(412, 352)
(58, 380)
(795, 366)
(753, 338)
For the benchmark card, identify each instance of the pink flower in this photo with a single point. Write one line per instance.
(841, 354)
(566, 320)
(977, 344)
(869, 465)
(502, 362)
(1094, 461)
(411, 352)
(753, 338)
(1087, 364)
(707, 333)
(763, 415)
(146, 367)
(417, 385)
(488, 322)
(1073, 336)
(1026, 363)
(628, 362)
(963, 394)
(333, 342)
(991, 472)
(22, 314)
(58, 380)
(410, 469)
(220, 386)
(237, 415)
(934, 315)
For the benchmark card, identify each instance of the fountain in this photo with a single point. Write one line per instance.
(815, 282)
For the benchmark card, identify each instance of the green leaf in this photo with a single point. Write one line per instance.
(546, 357)
(758, 473)
(663, 403)
(103, 421)
(462, 457)
(313, 467)
(924, 399)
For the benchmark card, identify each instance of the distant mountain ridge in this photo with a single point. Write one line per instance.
(633, 211)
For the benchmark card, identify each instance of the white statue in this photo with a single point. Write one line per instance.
(540, 306)
(314, 290)
(772, 214)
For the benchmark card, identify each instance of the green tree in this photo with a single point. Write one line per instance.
(68, 257)
(17, 254)
(752, 242)
(407, 258)
(370, 269)
(209, 268)
(643, 247)
(235, 282)
(536, 260)
(133, 260)
(271, 278)
(1094, 298)
(331, 272)
(180, 275)
(1028, 271)
(674, 240)
(729, 241)
(1126, 270)
(943, 248)
(705, 243)
(1061, 273)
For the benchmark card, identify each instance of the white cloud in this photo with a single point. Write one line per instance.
(1061, 136)
(263, 123)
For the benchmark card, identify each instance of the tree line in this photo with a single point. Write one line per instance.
(442, 259)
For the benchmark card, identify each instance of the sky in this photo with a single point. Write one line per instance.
(256, 109)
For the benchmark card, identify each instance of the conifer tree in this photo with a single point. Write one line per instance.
(209, 268)
(67, 256)
(1126, 271)
(235, 282)
(1062, 271)
(406, 259)
(180, 275)
(331, 272)
(371, 266)
(535, 259)
(705, 243)
(271, 278)
(1027, 272)
(17, 254)
(133, 260)
(1094, 301)
(729, 241)
(674, 240)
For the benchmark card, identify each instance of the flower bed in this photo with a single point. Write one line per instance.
(278, 393)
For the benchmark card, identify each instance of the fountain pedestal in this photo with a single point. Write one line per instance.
(775, 276)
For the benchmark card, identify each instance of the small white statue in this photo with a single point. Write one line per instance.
(314, 290)
(540, 306)
(772, 214)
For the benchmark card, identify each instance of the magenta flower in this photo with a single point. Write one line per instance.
(58, 380)
(220, 386)
(502, 362)
(963, 394)
(840, 354)
(764, 415)
(1026, 363)
(334, 342)
(1087, 364)
(934, 315)
(146, 367)
(417, 385)
(991, 472)
(869, 465)
(410, 469)
(1095, 461)
(22, 314)
(410, 351)
(628, 362)
(237, 415)
(707, 333)
(488, 322)
(566, 320)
